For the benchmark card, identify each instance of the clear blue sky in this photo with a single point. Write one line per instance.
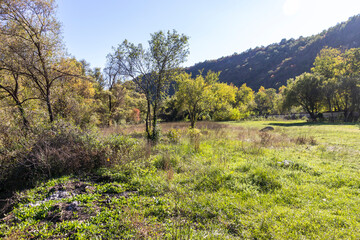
(216, 27)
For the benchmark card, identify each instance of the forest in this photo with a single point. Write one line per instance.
(144, 149)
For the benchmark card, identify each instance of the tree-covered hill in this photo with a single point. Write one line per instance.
(273, 65)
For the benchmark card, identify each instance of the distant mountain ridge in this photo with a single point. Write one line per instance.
(273, 65)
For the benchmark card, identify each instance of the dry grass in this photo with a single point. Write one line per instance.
(165, 127)
(218, 131)
(303, 140)
(215, 130)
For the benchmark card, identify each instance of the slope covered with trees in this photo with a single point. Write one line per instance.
(273, 65)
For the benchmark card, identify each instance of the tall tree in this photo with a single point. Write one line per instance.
(305, 91)
(34, 45)
(340, 72)
(196, 95)
(245, 100)
(113, 76)
(329, 64)
(11, 86)
(153, 69)
(264, 100)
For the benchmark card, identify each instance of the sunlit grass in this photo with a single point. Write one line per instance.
(239, 183)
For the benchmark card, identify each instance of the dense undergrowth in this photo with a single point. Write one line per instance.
(223, 181)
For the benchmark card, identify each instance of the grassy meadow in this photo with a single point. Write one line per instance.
(220, 181)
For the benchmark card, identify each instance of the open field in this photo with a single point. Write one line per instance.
(225, 181)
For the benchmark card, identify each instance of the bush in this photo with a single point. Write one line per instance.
(174, 135)
(195, 137)
(55, 150)
(227, 114)
(166, 161)
(302, 140)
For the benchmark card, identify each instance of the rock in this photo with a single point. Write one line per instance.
(54, 196)
(266, 129)
(58, 195)
(285, 163)
(74, 206)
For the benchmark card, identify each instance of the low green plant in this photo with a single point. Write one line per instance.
(60, 149)
(265, 179)
(166, 161)
(195, 138)
(174, 135)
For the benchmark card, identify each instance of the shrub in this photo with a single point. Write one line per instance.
(195, 136)
(120, 148)
(135, 115)
(174, 135)
(302, 140)
(265, 138)
(166, 161)
(57, 149)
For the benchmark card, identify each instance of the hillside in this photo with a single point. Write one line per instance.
(273, 65)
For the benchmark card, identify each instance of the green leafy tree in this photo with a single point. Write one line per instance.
(12, 87)
(264, 100)
(350, 84)
(279, 100)
(152, 69)
(305, 91)
(245, 100)
(350, 96)
(33, 46)
(329, 64)
(340, 72)
(225, 102)
(196, 95)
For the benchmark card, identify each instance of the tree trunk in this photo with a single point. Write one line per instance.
(110, 105)
(192, 123)
(22, 112)
(348, 115)
(313, 116)
(193, 119)
(49, 107)
(110, 108)
(147, 121)
(154, 135)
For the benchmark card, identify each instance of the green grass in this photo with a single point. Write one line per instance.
(235, 185)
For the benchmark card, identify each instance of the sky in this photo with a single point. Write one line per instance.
(216, 28)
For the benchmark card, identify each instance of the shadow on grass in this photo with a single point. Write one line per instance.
(300, 124)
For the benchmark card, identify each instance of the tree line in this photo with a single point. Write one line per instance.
(333, 85)
(40, 82)
(274, 64)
